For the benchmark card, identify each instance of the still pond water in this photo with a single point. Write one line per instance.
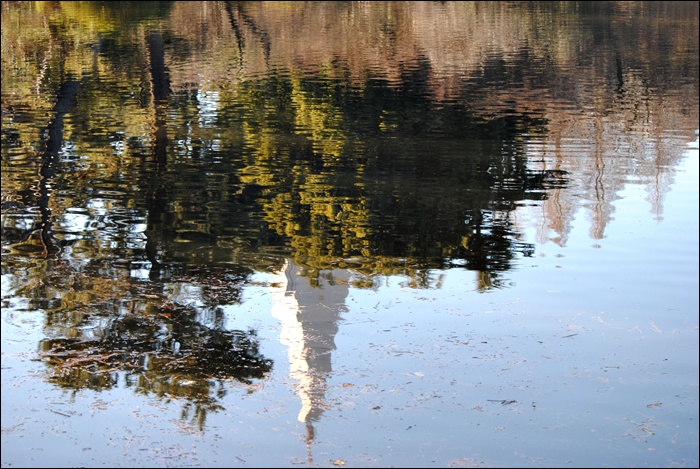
(361, 234)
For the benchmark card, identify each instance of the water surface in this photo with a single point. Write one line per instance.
(363, 234)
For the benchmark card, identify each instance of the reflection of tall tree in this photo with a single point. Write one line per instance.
(66, 100)
(236, 31)
(160, 88)
(260, 33)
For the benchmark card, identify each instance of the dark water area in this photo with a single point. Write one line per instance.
(362, 234)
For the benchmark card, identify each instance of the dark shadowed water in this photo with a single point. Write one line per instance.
(361, 234)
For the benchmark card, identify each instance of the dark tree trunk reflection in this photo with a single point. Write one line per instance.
(66, 98)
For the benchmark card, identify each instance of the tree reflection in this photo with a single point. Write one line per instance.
(155, 345)
(396, 167)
